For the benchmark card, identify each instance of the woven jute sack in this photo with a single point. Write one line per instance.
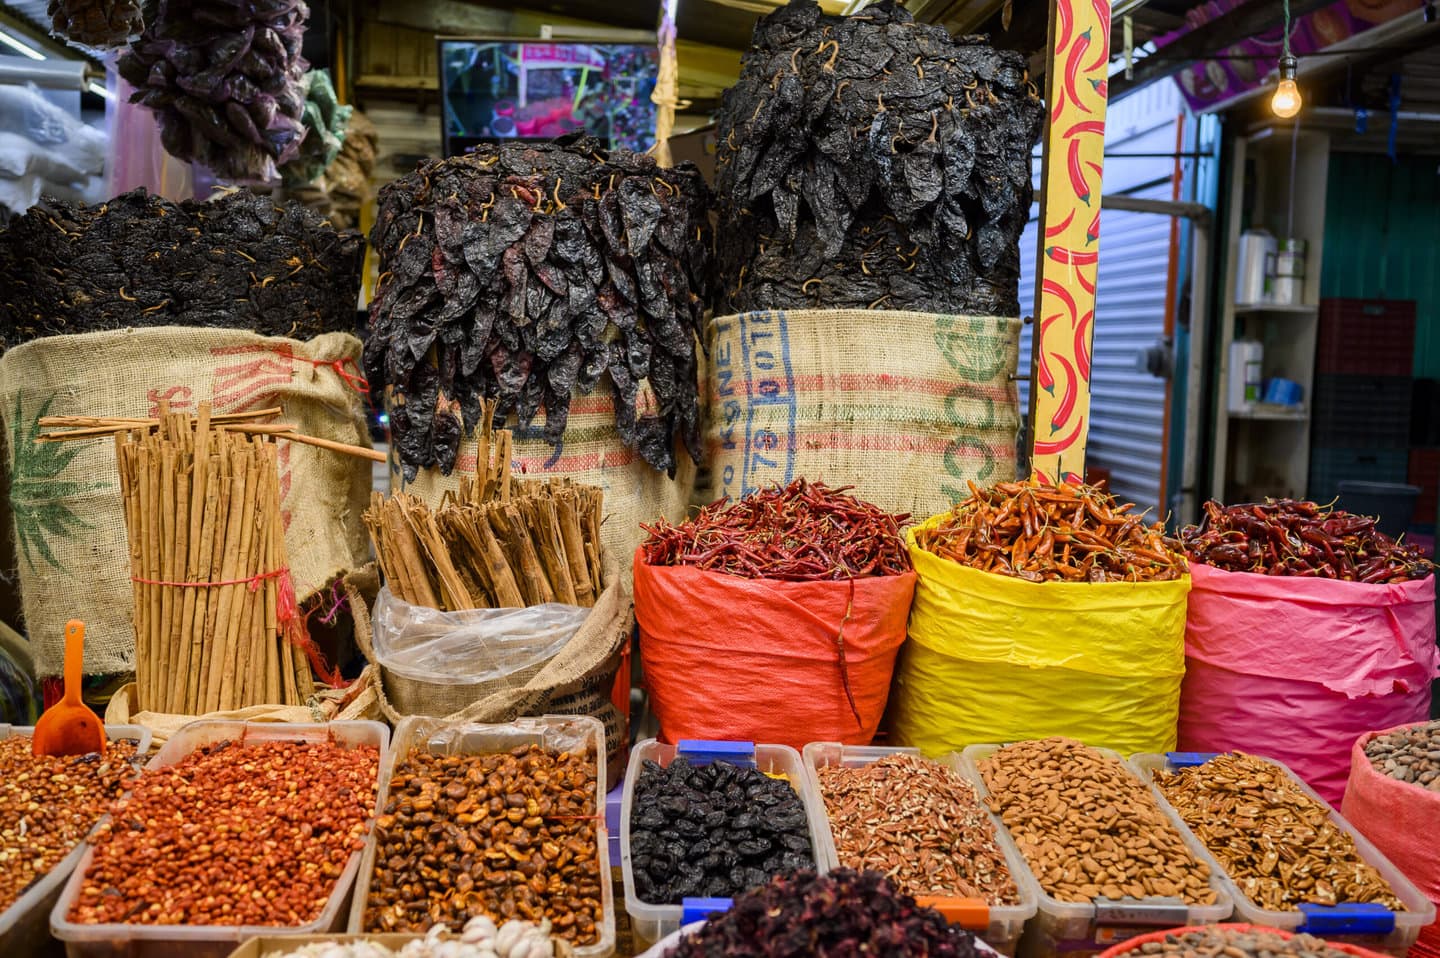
(578, 681)
(903, 406)
(69, 522)
(590, 452)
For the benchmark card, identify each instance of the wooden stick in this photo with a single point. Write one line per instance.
(567, 512)
(225, 483)
(106, 421)
(282, 430)
(211, 514)
(274, 532)
(220, 651)
(199, 504)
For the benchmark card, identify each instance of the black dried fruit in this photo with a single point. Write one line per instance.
(873, 162)
(712, 831)
(844, 913)
(236, 262)
(523, 273)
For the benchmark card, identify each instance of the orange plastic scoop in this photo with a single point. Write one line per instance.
(68, 727)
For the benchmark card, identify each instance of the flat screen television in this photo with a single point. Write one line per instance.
(493, 89)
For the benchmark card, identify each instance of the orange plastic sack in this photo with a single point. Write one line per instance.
(759, 660)
(1401, 819)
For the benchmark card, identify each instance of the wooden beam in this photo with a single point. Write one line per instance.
(1229, 28)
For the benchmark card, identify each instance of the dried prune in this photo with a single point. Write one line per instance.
(715, 829)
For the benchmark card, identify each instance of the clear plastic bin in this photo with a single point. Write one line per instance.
(559, 732)
(1407, 923)
(25, 925)
(649, 923)
(998, 925)
(212, 941)
(1078, 930)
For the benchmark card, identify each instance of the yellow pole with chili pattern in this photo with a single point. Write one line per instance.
(1075, 94)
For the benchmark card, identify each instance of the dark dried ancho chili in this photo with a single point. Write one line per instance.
(225, 81)
(1286, 537)
(236, 262)
(842, 913)
(802, 532)
(96, 23)
(712, 831)
(872, 161)
(525, 273)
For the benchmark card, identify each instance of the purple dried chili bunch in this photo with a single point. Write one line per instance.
(845, 913)
(226, 81)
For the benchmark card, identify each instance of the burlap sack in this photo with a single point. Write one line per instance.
(578, 681)
(358, 700)
(69, 522)
(591, 453)
(904, 406)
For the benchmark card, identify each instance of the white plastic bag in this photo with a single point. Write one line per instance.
(463, 648)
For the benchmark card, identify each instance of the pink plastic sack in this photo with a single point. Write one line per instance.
(1395, 815)
(1297, 668)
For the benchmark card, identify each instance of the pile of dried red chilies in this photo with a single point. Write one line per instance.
(800, 533)
(1065, 533)
(1287, 537)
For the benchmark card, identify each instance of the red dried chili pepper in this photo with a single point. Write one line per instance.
(1286, 537)
(803, 532)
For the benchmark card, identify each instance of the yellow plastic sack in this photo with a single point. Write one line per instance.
(990, 658)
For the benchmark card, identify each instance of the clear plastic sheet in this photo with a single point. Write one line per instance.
(476, 645)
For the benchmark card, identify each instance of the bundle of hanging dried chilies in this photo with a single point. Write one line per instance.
(802, 532)
(1288, 537)
(497, 543)
(1065, 533)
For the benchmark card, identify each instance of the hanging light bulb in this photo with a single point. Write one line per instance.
(1286, 101)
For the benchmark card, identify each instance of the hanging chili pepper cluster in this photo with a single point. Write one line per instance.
(238, 262)
(225, 81)
(524, 273)
(96, 23)
(873, 162)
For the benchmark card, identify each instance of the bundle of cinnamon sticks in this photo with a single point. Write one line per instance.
(500, 542)
(214, 610)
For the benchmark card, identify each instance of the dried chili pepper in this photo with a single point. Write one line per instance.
(1299, 538)
(802, 532)
(872, 161)
(96, 23)
(1042, 533)
(524, 273)
(235, 262)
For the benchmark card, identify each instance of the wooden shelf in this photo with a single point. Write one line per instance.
(1263, 308)
(1273, 415)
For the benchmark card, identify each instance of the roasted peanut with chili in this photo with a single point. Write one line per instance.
(1279, 845)
(232, 834)
(920, 824)
(510, 835)
(48, 805)
(1088, 827)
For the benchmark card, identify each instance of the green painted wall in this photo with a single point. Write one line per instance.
(1382, 239)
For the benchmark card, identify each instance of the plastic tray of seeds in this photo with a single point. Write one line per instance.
(1078, 929)
(555, 733)
(25, 924)
(649, 922)
(999, 926)
(120, 940)
(1368, 925)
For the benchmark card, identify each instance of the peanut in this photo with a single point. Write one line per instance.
(1088, 827)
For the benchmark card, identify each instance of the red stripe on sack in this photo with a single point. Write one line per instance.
(541, 465)
(876, 382)
(811, 441)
